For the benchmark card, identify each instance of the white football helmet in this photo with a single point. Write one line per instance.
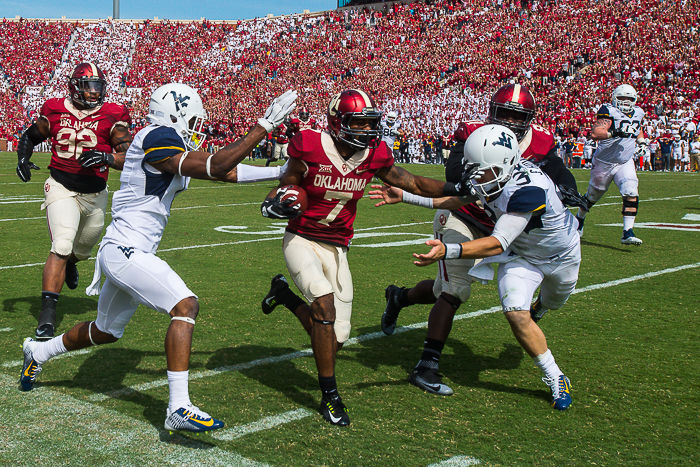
(392, 116)
(179, 106)
(495, 149)
(624, 90)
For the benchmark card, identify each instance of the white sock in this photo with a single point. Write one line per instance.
(179, 392)
(546, 363)
(252, 173)
(627, 222)
(48, 349)
(581, 214)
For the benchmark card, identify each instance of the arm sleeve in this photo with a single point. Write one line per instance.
(161, 144)
(509, 226)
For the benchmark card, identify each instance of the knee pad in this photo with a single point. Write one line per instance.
(453, 301)
(62, 246)
(630, 206)
(342, 331)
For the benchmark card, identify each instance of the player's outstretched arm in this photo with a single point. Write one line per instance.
(479, 248)
(391, 195)
(35, 134)
(425, 186)
(198, 164)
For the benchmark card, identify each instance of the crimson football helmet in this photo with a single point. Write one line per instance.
(349, 105)
(304, 115)
(86, 77)
(512, 106)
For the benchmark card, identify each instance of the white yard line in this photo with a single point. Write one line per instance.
(660, 226)
(237, 242)
(365, 337)
(642, 200)
(266, 423)
(6, 329)
(65, 355)
(121, 439)
(457, 461)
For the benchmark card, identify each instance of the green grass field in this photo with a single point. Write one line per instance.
(628, 340)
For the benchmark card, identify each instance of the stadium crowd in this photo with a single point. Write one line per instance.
(435, 63)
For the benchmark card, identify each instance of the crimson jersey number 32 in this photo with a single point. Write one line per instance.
(71, 143)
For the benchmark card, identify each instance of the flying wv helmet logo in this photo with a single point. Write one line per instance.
(504, 140)
(180, 100)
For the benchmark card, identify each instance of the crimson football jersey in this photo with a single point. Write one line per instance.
(74, 130)
(535, 146)
(333, 185)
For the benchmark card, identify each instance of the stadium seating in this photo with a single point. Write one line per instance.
(435, 64)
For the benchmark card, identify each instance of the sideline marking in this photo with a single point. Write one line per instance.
(260, 425)
(5, 329)
(122, 439)
(691, 217)
(365, 337)
(457, 461)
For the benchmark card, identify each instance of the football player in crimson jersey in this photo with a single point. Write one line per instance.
(281, 141)
(333, 168)
(88, 136)
(303, 122)
(512, 106)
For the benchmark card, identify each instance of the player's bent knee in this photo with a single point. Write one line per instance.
(451, 300)
(186, 308)
(517, 318)
(98, 337)
(342, 331)
(323, 310)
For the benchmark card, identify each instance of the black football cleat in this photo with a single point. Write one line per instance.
(428, 379)
(271, 300)
(334, 411)
(71, 275)
(391, 312)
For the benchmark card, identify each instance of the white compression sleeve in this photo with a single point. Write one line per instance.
(417, 200)
(252, 173)
(509, 226)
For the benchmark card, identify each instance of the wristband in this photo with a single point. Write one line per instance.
(417, 200)
(182, 159)
(209, 166)
(450, 189)
(453, 250)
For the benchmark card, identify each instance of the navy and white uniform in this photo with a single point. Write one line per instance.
(390, 131)
(613, 160)
(140, 209)
(540, 240)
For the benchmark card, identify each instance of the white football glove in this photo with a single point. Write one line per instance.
(278, 110)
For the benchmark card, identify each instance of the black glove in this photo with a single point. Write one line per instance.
(95, 158)
(571, 197)
(275, 208)
(464, 187)
(23, 168)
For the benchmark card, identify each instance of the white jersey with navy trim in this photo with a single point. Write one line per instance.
(551, 231)
(625, 128)
(141, 207)
(390, 132)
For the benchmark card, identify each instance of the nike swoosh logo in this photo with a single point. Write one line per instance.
(269, 300)
(361, 171)
(207, 423)
(334, 419)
